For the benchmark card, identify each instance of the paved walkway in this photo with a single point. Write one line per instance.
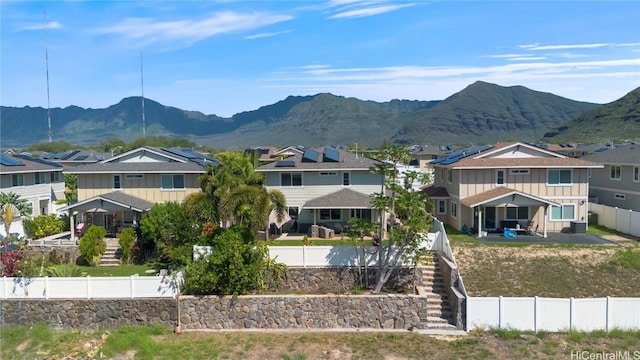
(552, 238)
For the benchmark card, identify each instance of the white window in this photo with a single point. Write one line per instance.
(17, 180)
(454, 209)
(40, 178)
(519, 171)
(449, 176)
(291, 179)
(619, 196)
(116, 182)
(636, 174)
(171, 182)
(346, 179)
(442, 206)
(55, 176)
(517, 213)
(615, 172)
(564, 212)
(135, 176)
(559, 177)
(500, 180)
(328, 173)
(329, 214)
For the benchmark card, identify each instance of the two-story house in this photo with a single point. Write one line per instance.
(617, 184)
(324, 186)
(39, 181)
(513, 184)
(115, 192)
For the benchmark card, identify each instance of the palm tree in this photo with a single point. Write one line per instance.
(11, 205)
(253, 204)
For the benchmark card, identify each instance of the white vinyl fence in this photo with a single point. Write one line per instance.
(116, 287)
(625, 221)
(553, 314)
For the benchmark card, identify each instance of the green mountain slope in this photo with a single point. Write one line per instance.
(485, 112)
(617, 121)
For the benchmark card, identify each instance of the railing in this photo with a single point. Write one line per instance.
(443, 245)
(116, 287)
(553, 314)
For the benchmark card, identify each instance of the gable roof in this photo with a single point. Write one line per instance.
(501, 193)
(341, 199)
(318, 159)
(512, 155)
(21, 163)
(148, 159)
(117, 198)
(617, 155)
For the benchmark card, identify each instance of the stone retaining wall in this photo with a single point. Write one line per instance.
(333, 310)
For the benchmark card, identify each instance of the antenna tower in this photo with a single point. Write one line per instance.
(142, 87)
(46, 59)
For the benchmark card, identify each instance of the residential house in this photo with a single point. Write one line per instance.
(39, 181)
(115, 192)
(324, 186)
(511, 185)
(617, 184)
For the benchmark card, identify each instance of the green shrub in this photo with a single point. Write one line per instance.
(92, 244)
(43, 225)
(126, 241)
(64, 270)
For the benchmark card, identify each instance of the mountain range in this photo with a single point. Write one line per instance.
(480, 113)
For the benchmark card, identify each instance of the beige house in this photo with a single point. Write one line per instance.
(514, 185)
(115, 192)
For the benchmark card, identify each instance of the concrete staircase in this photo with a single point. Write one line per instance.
(439, 314)
(111, 256)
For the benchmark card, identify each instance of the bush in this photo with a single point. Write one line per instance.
(126, 241)
(44, 225)
(92, 244)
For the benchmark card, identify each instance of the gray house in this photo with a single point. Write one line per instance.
(324, 186)
(618, 183)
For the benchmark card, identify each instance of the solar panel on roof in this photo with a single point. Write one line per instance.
(7, 161)
(461, 155)
(331, 155)
(286, 163)
(38, 160)
(81, 157)
(47, 155)
(310, 155)
(600, 149)
(70, 155)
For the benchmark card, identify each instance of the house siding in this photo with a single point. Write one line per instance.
(604, 188)
(148, 188)
(49, 192)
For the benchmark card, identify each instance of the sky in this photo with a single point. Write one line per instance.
(226, 57)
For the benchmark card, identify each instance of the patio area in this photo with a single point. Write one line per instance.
(552, 238)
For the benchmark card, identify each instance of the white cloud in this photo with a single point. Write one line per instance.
(191, 31)
(534, 47)
(264, 35)
(368, 11)
(48, 25)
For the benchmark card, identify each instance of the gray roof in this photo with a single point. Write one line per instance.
(620, 155)
(117, 198)
(179, 161)
(345, 198)
(346, 161)
(22, 163)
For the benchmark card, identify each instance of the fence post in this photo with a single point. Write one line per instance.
(535, 314)
(608, 314)
(46, 288)
(132, 287)
(304, 256)
(500, 315)
(570, 313)
(88, 287)
(6, 294)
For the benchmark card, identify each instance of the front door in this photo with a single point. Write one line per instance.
(489, 217)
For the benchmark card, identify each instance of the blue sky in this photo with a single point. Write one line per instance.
(224, 57)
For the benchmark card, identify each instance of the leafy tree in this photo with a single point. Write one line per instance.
(71, 187)
(170, 231)
(11, 204)
(408, 213)
(43, 225)
(254, 203)
(237, 265)
(106, 145)
(161, 141)
(126, 241)
(92, 244)
(357, 229)
(53, 147)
